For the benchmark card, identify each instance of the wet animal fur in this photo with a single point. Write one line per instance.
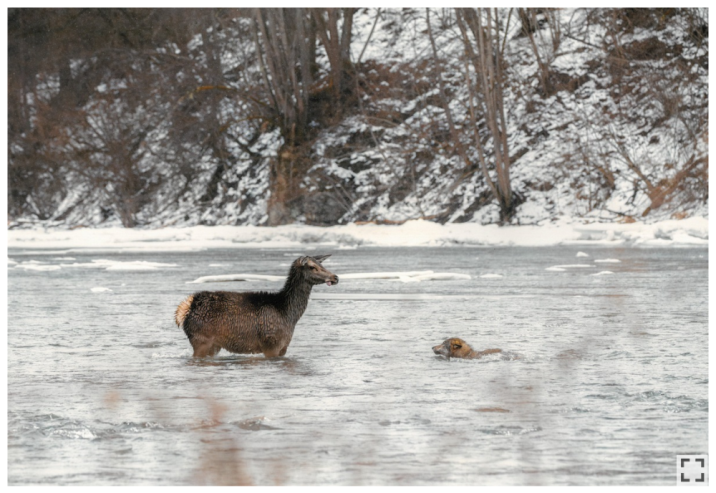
(251, 322)
(457, 348)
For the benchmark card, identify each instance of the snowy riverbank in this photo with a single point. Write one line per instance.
(671, 233)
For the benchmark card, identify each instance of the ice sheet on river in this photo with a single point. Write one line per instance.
(110, 265)
(410, 276)
(418, 233)
(119, 265)
(39, 266)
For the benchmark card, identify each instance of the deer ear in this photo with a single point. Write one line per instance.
(303, 261)
(321, 258)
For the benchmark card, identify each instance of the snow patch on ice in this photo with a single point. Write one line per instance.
(443, 276)
(384, 275)
(602, 273)
(38, 266)
(116, 265)
(382, 296)
(100, 289)
(236, 277)
(582, 254)
(139, 265)
(409, 276)
(491, 276)
(607, 261)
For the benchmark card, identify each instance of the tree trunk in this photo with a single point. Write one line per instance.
(487, 61)
(285, 43)
(530, 26)
(337, 47)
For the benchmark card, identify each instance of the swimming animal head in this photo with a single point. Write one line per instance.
(453, 347)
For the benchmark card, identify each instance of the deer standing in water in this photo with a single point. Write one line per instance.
(251, 322)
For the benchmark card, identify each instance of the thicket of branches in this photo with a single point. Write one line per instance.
(95, 92)
(118, 103)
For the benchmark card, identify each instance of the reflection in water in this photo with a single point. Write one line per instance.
(284, 363)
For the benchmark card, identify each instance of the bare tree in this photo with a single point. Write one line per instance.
(285, 41)
(443, 96)
(481, 36)
(112, 74)
(285, 45)
(124, 103)
(531, 28)
(337, 46)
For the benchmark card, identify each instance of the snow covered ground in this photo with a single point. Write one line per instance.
(669, 233)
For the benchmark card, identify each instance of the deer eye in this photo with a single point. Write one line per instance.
(313, 267)
(456, 346)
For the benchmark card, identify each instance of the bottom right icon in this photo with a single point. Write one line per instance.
(692, 470)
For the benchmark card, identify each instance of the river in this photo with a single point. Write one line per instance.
(611, 383)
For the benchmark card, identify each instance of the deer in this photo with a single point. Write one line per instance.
(251, 322)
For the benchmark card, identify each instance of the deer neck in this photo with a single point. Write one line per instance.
(295, 298)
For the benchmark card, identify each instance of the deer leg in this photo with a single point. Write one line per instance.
(271, 353)
(271, 346)
(204, 346)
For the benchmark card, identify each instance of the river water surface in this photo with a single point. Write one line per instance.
(612, 382)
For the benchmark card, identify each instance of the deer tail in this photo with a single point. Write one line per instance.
(183, 310)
